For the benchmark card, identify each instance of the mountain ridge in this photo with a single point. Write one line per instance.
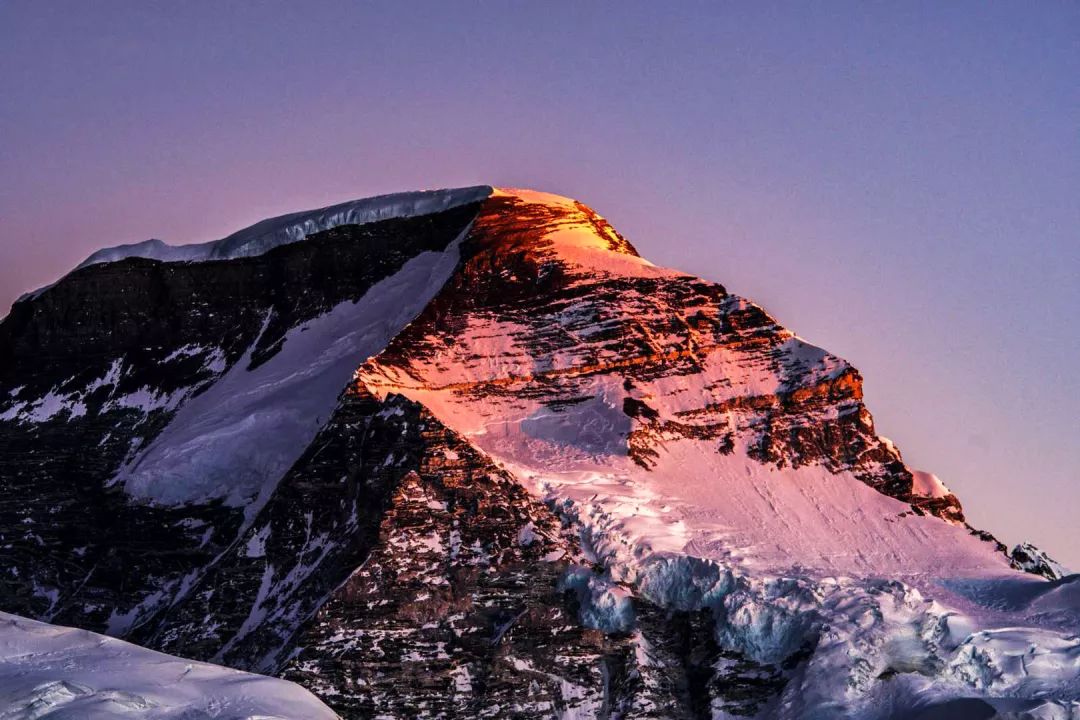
(493, 440)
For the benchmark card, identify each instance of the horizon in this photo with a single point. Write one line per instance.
(895, 185)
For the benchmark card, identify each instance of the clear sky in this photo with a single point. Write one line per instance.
(897, 182)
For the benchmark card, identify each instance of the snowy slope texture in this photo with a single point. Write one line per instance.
(173, 399)
(480, 458)
(60, 673)
(713, 460)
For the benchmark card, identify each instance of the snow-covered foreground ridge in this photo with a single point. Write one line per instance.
(60, 673)
(435, 453)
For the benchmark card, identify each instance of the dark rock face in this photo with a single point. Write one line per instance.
(460, 588)
(93, 369)
(317, 526)
(570, 325)
(463, 606)
(1029, 558)
(142, 310)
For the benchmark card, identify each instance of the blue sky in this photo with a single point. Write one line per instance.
(897, 182)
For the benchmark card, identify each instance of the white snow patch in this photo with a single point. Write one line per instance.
(72, 404)
(13, 412)
(59, 673)
(526, 534)
(256, 544)
(928, 485)
(189, 350)
(111, 376)
(268, 234)
(248, 428)
(51, 405)
(147, 400)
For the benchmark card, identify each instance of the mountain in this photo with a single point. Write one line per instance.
(465, 451)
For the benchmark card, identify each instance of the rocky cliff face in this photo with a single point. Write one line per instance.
(565, 305)
(467, 452)
(92, 371)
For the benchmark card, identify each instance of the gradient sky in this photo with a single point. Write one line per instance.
(896, 182)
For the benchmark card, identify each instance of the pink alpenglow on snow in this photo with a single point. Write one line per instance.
(419, 432)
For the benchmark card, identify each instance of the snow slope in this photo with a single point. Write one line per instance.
(701, 455)
(236, 439)
(559, 418)
(60, 673)
(786, 551)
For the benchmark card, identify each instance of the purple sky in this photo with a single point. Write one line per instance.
(897, 182)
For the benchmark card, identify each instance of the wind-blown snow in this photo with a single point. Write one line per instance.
(752, 516)
(59, 673)
(268, 234)
(236, 439)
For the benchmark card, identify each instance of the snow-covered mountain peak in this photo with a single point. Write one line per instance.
(601, 378)
(273, 232)
(574, 231)
(466, 452)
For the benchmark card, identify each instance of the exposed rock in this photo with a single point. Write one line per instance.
(1029, 558)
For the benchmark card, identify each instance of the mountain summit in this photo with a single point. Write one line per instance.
(465, 451)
